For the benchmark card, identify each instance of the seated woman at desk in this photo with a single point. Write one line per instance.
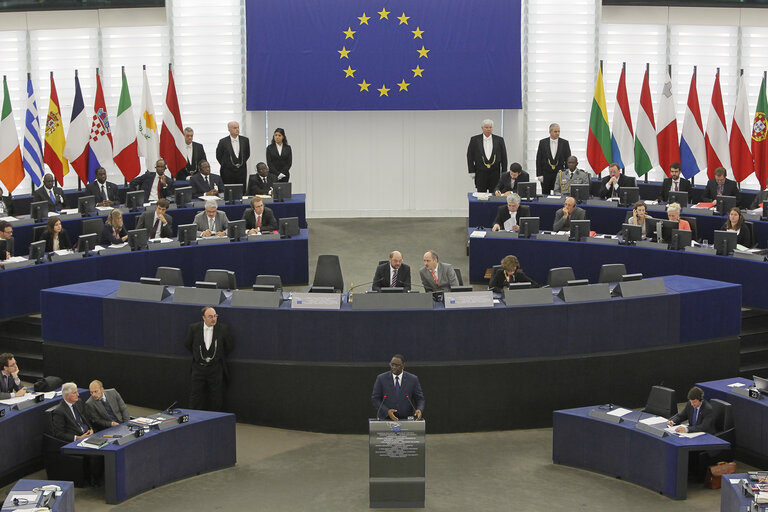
(56, 238)
(735, 223)
(639, 217)
(113, 231)
(509, 273)
(673, 214)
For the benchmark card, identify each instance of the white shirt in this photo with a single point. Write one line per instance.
(279, 148)
(207, 336)
(103, 187)
(11, 379)
(511, 222)
(188, 152)
(553, 146)
(395, 377)
(153, 189)
(235, 145)
(488, 147)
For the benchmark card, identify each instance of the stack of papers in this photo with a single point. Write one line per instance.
(619, 411)
(653, 420)
(145, 421)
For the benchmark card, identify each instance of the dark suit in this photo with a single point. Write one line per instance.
(762, 196)
(562, 224)
(147, 221)
(268, 220)
(208, 375)
(548, 165)
(108, 235)
(41, 194)
(198, 154)
(385, 398)
(623, 181)
(446, 278)
(487, 170)
(199, 187)
(257, 187)
(8, 203)
(64, 242)
(744, 237)
(280, 163)
(503, 215)
(145, 181)
(65, 427)
(5, 391)
(94, 189)
(705, 421)
(667, 186)
(98, 415)
(382, 278)
(499, 280)
(233, 168)
(505, 182)
(730, 188)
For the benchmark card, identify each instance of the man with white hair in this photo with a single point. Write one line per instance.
(551, 157)
(211, 222)
(233, 153)
(486, 158)
(70, 423)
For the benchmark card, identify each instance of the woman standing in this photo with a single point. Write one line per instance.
(279, 156)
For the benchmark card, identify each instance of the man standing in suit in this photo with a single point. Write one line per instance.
(232, 154)
(571, 175)
(437, 276)
(194, 153)
(211, 222)
(486, 158)
(509, 180)
(258, 218)
(154, 184)
(392, 274)
(157, 223)
(508, 216)
(566, 214)
(10, 384)
(70, 422)
(105, 408)
(260, 184)
(610, 185)
(551, 157)
(204, 183)
(674, 184)
(720, 186)
(397, 394)
(104, 191)
(210, 342)
(48, 192)
(698, 412)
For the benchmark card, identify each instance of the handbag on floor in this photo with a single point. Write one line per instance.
(713, 479)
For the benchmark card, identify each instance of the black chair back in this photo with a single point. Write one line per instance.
(560, 276)
(92, 226)
(170, 276)
(611, 272)
(38, 232)
(224, 279)
(270, 280)
(458, 276)
(694, 228)
(328, 272)
(661, 402)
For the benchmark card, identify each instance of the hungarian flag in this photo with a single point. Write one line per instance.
(622, 140)
(693, 153)
(76, 149)
(126, 147)
(741, 133)
(172, 134)
(646, 149)
(716, 136)
(669, 148)
(100, 139)
(54, 138)
(599, 138)
(759, 144)
(11, 169)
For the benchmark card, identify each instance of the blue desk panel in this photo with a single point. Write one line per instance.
(623, 451)
(732, 497)
(63, 503)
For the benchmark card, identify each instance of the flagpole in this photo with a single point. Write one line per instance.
(623, 71)
(647, 72)
(693, 178)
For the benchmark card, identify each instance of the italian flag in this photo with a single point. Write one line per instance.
(126, 148)
(599, 138)
(11, 168)
(646, 149)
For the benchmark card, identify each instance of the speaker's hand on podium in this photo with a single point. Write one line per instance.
(391, 414)
(418, 414)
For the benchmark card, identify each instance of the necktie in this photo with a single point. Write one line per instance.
(677, 187)
(7, 384)
(83, 426)
(394, 279)
(159, 189)
(207, 183)
(434, 276)
(258, 221)
(104, 193)
(264, 179)
(570, 175)
(720, 190)
(109, 409)
(211, 224)
(153, 234)
(397, 385)
(53, 199)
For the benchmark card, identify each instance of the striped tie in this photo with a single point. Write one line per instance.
(394, 279)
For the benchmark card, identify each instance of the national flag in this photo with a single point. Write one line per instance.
(54, 138)
(646, 149)
(148, 141)
(32, 156)
(76, 148)
(126, 147)
(100, 139)
(741, 135)
(759, 143)
(669, 147)
(599, 137)
(172, 134)
(693, 152)
(622, 139)
(716, 136)
(11, 168)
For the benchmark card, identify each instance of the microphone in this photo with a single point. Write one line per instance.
(382, 403)
(351, 288)
(411, 402)
(169, 409)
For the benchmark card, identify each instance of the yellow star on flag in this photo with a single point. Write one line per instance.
(345, 53)
(417, 33)
(383, 91)
(349, 71)
(350, 34)
(384, 14)
(423, 52)
(417, 71)
(364, 86)
(403, 19)
(364, 19)
(404, 85)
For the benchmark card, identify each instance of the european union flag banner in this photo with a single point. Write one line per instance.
(383, 55)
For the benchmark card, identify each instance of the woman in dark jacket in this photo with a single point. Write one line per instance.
(113, 231)
(56, 238)
(279, 156)
(510, 272)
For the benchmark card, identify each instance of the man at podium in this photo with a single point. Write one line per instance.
(397, 393)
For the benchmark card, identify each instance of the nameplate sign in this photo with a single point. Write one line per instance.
(22, 222)
(551, 200)
(748, 256)
(254, 299)
(656, 208)
(163, 245)
(528, 297)
(316, 301)
(742, 391)
(695, 211)
(369, 301)
(601, 240)
(213, 240)
(651, 245)
(551, 236)
(115, 250)
(501, 234)
(602, 202)
(603, 415)
(67, 256)
(141, 291)
(8, 265)
(192, 295)
(585, 293)
(701, 250)
(263, 236)
(651, 429)
(641, 288)
(468, 300)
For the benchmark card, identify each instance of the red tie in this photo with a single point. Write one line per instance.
(676, 187)
(434, 276)
(159, 188)
(258, 221)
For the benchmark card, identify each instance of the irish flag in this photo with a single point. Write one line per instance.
(11, 168)
(599, 138)
(646, 149)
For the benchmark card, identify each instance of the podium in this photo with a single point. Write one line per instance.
(396, 451)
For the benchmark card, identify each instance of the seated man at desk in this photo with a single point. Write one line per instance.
(157, 223)
(105, 408)
(720, 186)
(258, 218)
(204, 183)
(154, 184)
(509, 273)
(509, 180)
(566, 177)
(10, 384)
(6, 204)
(51, 193)
(508, 216)
(698, 412)
(568, 212)
(6, 232)
(392, 274)
(610, 185)
(70, 422)
(436, 276)
(674, 184)
(211, 222)
(260, 184)
(104, 191)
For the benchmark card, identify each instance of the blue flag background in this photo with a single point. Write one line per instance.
(383, 55)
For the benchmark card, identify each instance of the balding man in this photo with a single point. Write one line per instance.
(436, 276)
(105, 408)
(566, 214)
(232, 154)
(486, 158)
(551, 157)
(393, 273)
(209, 342)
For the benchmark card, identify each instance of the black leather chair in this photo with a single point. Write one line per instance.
(328, 272)
(224, 279)
(89, 226)
(661, 402)
(170, 276)
(751, 227)
(270, 280)
(560, 276)
(694, 228)
(724, 429)
(458, 276)
(59, 466)
(611, 272)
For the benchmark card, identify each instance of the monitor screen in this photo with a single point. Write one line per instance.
(86, 205)
(725, 242)
(680, 239)
(233, 193)
(187, 233)
(289, 226)
(39, 211)
(580, 191)
(236, 229)
(138, 239)
(628, 195)
(86, 243)
(724, 204)
(527, 190)
(579, 229)
(182, 196)
(631, 233)
(6, 246)
(528, 226)
(678, 197)
(281, 191)
(37, 251)
(134, 200)
(666, 229)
